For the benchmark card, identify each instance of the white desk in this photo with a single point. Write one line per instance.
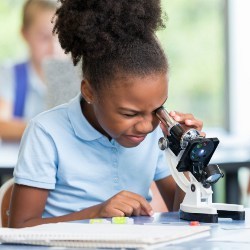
(223, 227)
(8, 154)
(8, 158)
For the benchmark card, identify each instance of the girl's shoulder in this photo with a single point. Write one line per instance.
(58, 117)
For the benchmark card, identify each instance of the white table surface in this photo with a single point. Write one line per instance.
(8, 154)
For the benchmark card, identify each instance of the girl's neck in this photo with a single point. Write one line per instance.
(88, 112)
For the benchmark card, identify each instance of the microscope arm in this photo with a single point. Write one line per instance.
(179, 177)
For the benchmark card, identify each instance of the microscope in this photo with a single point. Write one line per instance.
(188, 151)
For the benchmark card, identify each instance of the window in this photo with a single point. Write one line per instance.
(194, 41)
(239, 72)
(11, 44)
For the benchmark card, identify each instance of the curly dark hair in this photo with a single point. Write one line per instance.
(111, 36)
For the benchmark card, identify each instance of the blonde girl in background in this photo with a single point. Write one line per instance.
(22, 85)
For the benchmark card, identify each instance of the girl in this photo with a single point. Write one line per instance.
(97, 155)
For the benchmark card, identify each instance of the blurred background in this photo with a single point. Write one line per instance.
(207, 47)
(207, 44)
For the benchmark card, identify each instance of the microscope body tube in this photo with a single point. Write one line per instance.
(178, 138)
(173, 127)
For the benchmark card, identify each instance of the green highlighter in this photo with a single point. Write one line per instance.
(122, 220)
(99, 221)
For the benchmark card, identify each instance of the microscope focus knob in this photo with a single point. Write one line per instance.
(163, 143)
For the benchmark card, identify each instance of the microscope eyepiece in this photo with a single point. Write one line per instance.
(165, 118)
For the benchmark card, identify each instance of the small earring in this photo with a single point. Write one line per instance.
(88, 102)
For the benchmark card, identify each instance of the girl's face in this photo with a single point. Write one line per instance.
(38, 35)
(126, 111)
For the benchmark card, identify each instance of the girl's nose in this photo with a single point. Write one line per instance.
(146, 125)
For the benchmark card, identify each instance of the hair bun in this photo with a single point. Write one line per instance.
(94, 28)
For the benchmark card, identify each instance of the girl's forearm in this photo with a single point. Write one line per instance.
(88, 213)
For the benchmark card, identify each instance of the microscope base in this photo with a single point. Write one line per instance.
(208, 218)
(234, 215)
(212, 217)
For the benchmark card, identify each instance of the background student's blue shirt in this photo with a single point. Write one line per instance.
(62, 152)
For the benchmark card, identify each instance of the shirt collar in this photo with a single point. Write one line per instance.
(82, 128)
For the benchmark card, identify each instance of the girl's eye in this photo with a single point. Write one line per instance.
(130, 115)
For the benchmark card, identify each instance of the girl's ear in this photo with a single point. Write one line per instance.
(87, 91)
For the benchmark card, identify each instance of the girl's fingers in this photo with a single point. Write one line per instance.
(187, 119)
(143, 204)
(195, 123)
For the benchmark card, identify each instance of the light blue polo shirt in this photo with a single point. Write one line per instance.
(62, 152)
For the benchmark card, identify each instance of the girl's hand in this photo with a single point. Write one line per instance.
(124, 203)
(188, 121)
